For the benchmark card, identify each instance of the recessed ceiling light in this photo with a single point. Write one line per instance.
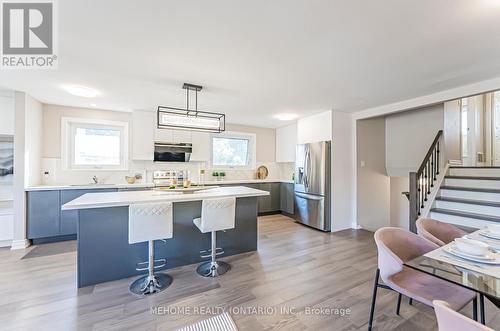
(286, 116)
(81, 91)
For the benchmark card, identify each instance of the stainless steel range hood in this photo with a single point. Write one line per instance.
(172, 152)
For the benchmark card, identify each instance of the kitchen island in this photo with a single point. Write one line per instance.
(104, 253)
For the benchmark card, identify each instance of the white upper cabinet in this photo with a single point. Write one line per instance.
(143, 135)
(201, 146)
(7, 118)
(286, 139)
(314, 128)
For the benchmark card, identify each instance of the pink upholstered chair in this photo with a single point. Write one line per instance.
(450, 320)
(439, 233)
(396, 246)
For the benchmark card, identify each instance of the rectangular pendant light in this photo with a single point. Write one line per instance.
(186, 119)
(182, 119)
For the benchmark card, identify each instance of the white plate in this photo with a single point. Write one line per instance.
(491, 258)
(487, 233)
(494, 244)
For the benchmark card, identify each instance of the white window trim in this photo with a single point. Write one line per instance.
(252, 138)
(66, 140)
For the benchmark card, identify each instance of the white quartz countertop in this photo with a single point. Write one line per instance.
(87, 186)
(126, 198)
(149, 185)
(246, 181)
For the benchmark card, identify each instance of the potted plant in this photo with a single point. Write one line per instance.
(215, 174)
(222, 175)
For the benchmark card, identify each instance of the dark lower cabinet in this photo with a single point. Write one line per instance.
(286, 198)
(43, 214)
(280, 198)
(270, 203)
(69, 218)
(45, 219)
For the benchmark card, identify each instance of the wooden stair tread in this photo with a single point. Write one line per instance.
(472, 189)
(470, 201)
(466, 214)
(472, 177)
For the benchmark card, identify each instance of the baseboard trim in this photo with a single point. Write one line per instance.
(48, 240)
(20, 244)
(5, 243)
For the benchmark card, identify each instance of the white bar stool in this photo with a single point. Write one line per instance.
(216, 215)
(150, 222)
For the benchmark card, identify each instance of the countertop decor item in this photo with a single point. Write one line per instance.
(130, 179)
(262, 172)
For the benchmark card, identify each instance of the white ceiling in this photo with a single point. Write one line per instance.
(259, 58)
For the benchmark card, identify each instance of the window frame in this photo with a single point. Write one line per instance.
(251, 152)
(68, 127)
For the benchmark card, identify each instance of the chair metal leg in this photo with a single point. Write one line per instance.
(213, 268)
(398, 307)
(374, 298)
(481, 307)
(474, 309)
(410, 301)
(153, 282)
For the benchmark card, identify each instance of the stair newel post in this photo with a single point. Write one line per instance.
(414, 201)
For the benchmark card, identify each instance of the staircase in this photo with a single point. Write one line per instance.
(469, 196)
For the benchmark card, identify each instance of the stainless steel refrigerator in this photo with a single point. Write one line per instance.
(313, 185)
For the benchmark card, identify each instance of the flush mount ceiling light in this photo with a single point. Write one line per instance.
(190, 119)
(286, 116)
(81, 91)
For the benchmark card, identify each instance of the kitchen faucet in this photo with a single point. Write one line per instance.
(95, 179)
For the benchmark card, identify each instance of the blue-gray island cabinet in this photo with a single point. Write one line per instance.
(104, 253)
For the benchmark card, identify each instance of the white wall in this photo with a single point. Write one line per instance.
(343, 193)
(373, 184)
(399, 204)
(315, 128)
(33, 142)
(409, 136)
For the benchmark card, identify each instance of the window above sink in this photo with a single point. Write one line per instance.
(94, 144)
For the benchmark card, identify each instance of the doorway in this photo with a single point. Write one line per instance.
(480, 130)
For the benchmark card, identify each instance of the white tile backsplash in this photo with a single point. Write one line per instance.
(58, 176)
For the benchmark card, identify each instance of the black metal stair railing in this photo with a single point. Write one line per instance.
(422, 181)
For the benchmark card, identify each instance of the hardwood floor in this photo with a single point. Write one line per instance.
(296, 268)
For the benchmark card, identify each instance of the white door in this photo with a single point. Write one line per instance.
(496, 128)
(466, 142)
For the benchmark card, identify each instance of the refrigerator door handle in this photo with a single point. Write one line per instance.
(309, 196)
(306, 169)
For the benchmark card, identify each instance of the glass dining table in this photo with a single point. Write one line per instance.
(456, 271)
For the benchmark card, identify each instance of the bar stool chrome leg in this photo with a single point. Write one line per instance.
(213, 268)
(152, 282)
